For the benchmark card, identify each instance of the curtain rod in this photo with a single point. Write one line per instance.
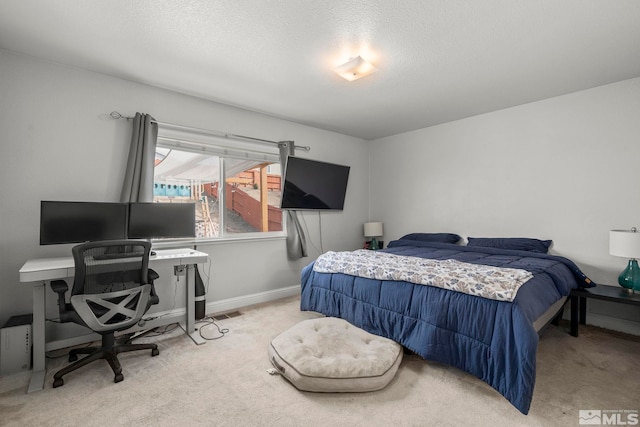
(116, 115)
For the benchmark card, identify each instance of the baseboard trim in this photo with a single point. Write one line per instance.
(229, 304)
(614, 323)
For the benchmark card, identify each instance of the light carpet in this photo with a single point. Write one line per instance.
(224, 383)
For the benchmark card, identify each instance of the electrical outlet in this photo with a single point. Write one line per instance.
(178, 270)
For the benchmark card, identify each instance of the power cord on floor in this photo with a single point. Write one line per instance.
(158, 331)
(169, 328)
(208, 321)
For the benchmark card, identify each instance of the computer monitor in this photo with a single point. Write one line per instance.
(161, 220)
(76, 222)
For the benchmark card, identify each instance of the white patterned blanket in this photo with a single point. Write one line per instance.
(485, 281)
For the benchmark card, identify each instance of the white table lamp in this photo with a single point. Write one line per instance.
(373, 230)
(626, 244)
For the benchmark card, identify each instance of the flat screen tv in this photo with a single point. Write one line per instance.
(313, 185)
(77, 222)
(161, 220)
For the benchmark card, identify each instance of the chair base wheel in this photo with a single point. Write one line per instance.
(73, 357)
(58, 382)
(118, 378)
(155, 352)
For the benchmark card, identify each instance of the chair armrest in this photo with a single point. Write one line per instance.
(65, 309)
(153, 297)
(151, 276)
(59, 286)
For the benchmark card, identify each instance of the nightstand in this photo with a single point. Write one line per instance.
(607, 293)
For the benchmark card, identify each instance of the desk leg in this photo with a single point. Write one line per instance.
(574, 315)
(37, 334)
(189, 326)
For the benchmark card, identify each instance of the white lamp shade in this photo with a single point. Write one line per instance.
(372, 229)
(624, 243)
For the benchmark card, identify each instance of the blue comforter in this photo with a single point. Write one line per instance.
(493, 340)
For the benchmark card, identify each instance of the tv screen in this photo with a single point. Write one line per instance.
(77, 222)
(161, 220)
(311, 185)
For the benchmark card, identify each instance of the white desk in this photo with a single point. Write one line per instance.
(39, 272)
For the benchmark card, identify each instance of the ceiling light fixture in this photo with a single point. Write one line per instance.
(355, 68)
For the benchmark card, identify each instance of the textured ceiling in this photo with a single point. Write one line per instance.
(438, 61)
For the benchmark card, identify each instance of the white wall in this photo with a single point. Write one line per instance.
(57, 142)
(566, 169)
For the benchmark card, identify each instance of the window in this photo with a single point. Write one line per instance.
(191, 168)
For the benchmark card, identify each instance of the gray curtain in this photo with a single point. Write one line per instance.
(296, 240)
(138, 177)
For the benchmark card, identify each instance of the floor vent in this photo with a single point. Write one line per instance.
(226, 315)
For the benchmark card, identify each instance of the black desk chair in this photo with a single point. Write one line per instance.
(112, 290)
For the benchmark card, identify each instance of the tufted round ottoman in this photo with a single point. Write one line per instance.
(331, 355)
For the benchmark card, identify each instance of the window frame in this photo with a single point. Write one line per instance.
(222, 147)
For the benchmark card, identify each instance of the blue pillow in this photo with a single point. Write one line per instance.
(512, 243)
(433, 237)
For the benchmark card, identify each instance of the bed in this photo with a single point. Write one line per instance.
(494, 338)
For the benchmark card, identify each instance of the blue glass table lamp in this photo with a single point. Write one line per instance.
(626, 244)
